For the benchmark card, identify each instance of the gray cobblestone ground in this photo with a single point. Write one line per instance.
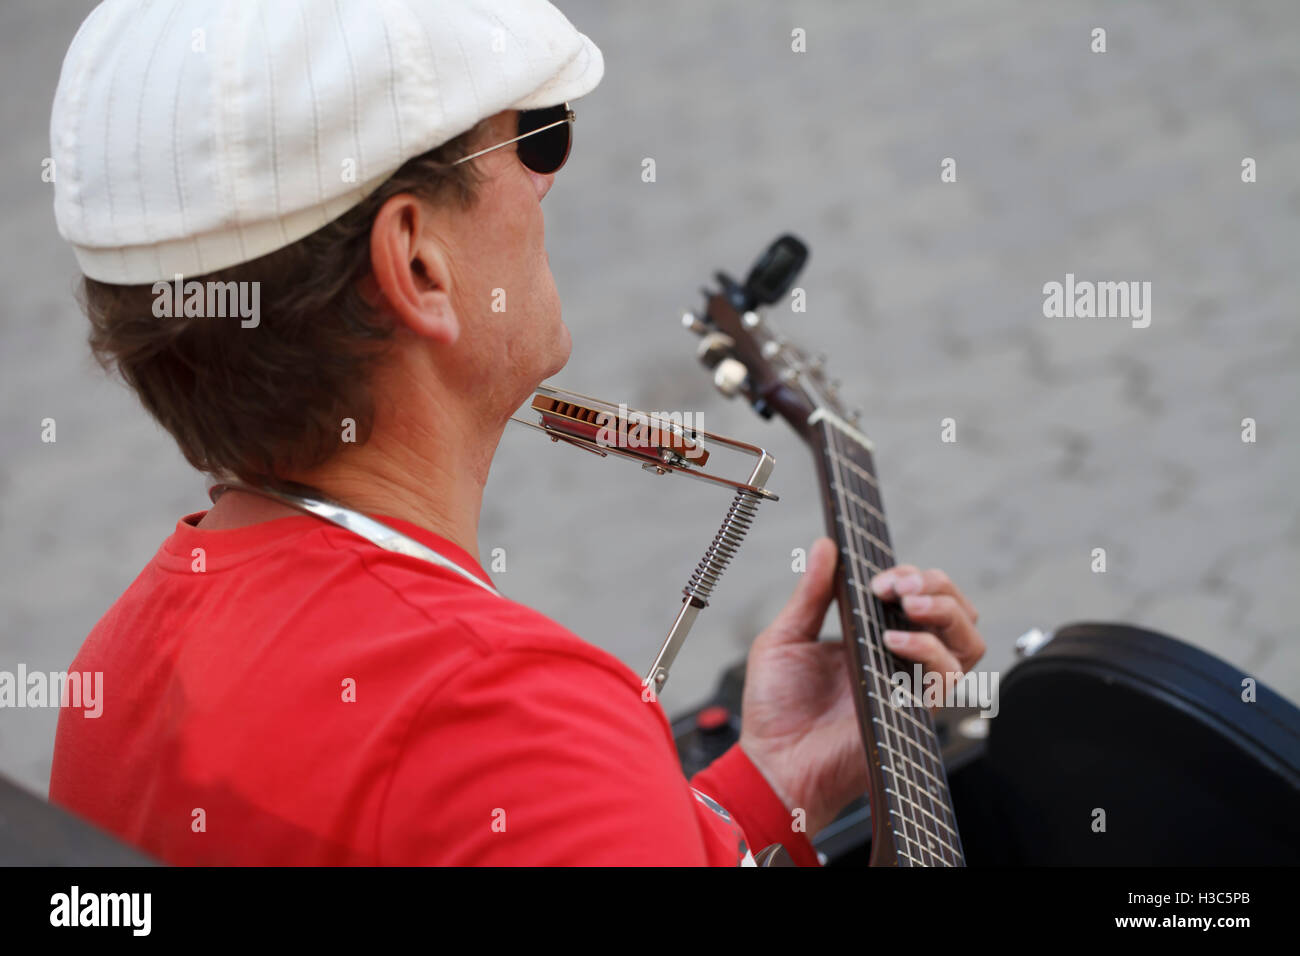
(1072, 434)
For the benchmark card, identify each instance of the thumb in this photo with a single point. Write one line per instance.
(801, 618)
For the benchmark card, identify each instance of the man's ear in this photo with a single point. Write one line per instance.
(410, 270)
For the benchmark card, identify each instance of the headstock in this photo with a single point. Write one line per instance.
(748, 356)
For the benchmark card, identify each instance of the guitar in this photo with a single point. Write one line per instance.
(912, 817)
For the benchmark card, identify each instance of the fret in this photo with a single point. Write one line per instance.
(922, 727)
(915, 723)
(874, 510)
(937, 861)
(923, 847)
(933, 847)
(911, 831)
(861, 472)
(915, 792)
(930, 835)
(900, 773)
(854, 556)
(881, 678)
(895, 811)
(864, 503)
(925, 843)
(895, 761)
(939, 849)
(902, 852)
(928, 814)
(864, 590)
(912, 826)
(865, 519)
(920, 768)
(928, 785)
(880, 545)
(873, 535)
(895, 690)
(830, 418)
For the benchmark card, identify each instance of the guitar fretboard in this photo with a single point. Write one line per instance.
(915, 796)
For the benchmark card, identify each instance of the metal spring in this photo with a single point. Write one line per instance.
(740, 516)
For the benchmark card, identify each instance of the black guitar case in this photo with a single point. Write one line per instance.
(1152, 731)
(1118, 745)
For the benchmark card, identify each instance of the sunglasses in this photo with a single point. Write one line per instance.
(545, 137)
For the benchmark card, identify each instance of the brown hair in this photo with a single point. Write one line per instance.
(259, 403)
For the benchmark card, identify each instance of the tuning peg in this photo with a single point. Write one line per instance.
(714, 347)
(692, 322)
(729, 376)
(751, 319)
(771, 349)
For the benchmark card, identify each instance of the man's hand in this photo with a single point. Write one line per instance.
(798, 723)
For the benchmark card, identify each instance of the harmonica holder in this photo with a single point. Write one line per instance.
(661, 447)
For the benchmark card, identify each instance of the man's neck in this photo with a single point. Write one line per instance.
(431, 476)
(443, 494)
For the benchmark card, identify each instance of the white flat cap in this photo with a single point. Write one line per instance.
(191, 135)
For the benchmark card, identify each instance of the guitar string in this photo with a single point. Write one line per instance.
(903, 835)
(882, 706)
(879, 549)
(919, 730)
(832, 433)
(930, 754)
(916, 792)
(940, 800)
(888, 715)
(896, 814)
(881, 554)
(878, 544)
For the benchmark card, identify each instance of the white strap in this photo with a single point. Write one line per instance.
(359, 524)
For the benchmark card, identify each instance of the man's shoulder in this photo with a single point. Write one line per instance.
(508, 630)
(341, 586)
(496, 625)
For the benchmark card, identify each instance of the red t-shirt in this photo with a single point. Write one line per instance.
(309, 698)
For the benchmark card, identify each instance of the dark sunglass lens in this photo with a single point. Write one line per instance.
(544, 152)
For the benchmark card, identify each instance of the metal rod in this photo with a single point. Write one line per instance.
(725, 544)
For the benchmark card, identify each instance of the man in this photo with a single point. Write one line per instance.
(367, 177)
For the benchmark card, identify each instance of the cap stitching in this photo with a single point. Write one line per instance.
(315, 105)
(392, 87)
(352, 86)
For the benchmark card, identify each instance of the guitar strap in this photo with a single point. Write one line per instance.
(363, 526)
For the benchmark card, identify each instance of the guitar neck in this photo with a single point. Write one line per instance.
(913, 823)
